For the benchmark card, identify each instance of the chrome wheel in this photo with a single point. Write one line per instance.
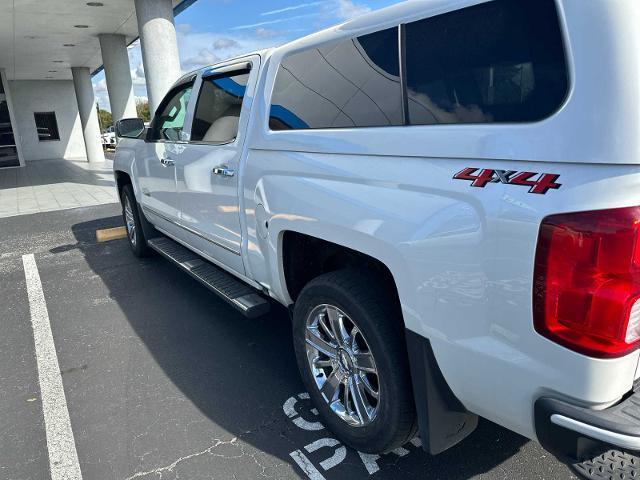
(342, 365)
(130, 220)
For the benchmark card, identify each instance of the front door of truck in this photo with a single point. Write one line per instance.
(164, 143)
(208, 168)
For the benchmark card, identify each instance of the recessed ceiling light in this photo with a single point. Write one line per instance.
(69, 45)
(95, 4)
(81, 26)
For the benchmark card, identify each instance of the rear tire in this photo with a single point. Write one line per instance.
(132, 223)
(340, 380)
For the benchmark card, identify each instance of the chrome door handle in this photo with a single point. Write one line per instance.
(224, 171)
(167, 163)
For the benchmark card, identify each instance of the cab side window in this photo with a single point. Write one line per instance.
(352, 83)
(169, 121)
(501, 61)
(217, 114)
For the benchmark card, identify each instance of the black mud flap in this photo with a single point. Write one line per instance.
(442, 419)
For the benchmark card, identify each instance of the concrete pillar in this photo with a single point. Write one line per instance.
(88, 115)
(159, 48)
(118, 75)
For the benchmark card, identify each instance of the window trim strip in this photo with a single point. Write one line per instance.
(227, 69)
(402, 47)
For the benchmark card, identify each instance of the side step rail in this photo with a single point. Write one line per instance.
(238, 294)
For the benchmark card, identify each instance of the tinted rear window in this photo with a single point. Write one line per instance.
(352, 83)
(501, 61)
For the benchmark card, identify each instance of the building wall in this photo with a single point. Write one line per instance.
(57, 96)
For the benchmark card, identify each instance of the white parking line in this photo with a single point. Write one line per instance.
(63, 457)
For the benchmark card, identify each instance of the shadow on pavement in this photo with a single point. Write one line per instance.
(239, 372)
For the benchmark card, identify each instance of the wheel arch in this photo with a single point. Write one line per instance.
(122, 179)
(304, 257)
(443, 420)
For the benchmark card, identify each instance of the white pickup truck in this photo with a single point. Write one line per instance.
(445, 194)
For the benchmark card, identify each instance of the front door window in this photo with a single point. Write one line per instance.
(169, 122)
(217, 114)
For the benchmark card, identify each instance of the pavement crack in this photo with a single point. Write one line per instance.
(170, 468)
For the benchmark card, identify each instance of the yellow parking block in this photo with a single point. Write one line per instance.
(110, 234)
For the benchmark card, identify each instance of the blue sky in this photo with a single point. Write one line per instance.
(213, 30)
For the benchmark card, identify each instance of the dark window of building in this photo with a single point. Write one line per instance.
(6, 132)
(353, 83)
(169, 122)
(47, 126)
(501, 61)
(217, 114)
(8, 150)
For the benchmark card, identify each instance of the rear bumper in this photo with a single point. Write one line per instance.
(570, 431)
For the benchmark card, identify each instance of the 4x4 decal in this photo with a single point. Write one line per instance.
(539, 183)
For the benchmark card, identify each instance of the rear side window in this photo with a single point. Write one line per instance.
(217, 114)
(353, 83)
(501, 61)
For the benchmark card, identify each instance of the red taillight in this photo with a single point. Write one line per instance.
(587, 281)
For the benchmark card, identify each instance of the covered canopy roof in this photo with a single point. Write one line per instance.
(42, 39)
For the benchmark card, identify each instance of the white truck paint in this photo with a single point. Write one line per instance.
(462, 258)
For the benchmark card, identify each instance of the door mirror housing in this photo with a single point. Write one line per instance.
(130, 127)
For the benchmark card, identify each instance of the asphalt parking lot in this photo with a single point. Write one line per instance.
(163, 380)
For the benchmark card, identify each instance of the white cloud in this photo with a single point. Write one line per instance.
(184, 27)
(100, 91)
(203, 58)
(100, 86)
(199, 49)
(347, 9)
(137, 76)
(267, 33)
(225, 43)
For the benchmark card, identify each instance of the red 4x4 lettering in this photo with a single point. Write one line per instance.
(540, 186)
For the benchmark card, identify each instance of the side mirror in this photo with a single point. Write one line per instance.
(129, 127)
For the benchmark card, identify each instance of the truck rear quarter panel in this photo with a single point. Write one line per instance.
(462, 257)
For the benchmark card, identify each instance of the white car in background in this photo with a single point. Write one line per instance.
(109, 137)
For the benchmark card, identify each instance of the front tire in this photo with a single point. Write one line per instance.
(350, 348)
(132, 223)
